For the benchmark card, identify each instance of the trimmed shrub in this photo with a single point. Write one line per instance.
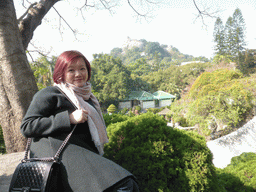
(111, 108)
(240, 174)
(161, 158)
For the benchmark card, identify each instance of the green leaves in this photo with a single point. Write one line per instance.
(230, 40)
(110, 79)
(43, 71)
(160, 157)
(240, 174)
(222, 97)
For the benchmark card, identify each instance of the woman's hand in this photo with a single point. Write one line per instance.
(78, 116)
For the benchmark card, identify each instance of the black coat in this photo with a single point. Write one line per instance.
(82, 169)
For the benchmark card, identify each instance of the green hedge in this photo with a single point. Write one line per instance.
(240, 174)
(162, 158)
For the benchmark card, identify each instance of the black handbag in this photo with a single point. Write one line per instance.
(38, 174)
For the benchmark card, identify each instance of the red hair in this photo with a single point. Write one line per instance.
(66, 58)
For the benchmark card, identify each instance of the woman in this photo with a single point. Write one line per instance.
(51, 116)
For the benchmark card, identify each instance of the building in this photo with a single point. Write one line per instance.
(163, 98)
(147, 100)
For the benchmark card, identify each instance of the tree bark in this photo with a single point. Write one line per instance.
(17, 82)
(33, 19)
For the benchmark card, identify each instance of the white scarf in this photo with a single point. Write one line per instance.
(95, 120)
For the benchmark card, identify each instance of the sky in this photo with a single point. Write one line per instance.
(171, 22)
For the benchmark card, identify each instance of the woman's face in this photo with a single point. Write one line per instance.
(77, 73)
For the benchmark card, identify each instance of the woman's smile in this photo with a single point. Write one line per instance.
(77, 73)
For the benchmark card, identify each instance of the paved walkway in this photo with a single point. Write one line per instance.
(8, 163)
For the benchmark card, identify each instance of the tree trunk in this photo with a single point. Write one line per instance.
(17, 82)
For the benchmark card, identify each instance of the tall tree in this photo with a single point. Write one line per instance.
(239, 32)
(219, 37)
(110, 80)
(229, 36)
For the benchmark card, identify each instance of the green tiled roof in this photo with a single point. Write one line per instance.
(140, 95)
(163, 95)
(144, 96)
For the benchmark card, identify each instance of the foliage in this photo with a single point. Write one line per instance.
(111, 108)
(218, 58)
(139, 67)
(124, 111)
(151, 51)
(240, 174)
(219, 37)
(239, 31)
(110, 79)
(246, 61)
(161, 158)
(138, 108)
(114, 118)
(222, 94)
(174, 79)
(2, 145)
(43, 71)
(154, 110)
(230, 40)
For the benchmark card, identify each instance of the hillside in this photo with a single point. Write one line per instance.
(134, 49)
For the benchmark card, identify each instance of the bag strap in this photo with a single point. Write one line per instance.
(64, 143)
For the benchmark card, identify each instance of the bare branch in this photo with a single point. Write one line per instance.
(86, 5)
(33, 19)
(38, 50)
(64, 20)
(135, 9)
(30, 56)
(205, 13)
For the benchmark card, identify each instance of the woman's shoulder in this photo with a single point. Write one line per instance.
(47, 93)
(48, 90)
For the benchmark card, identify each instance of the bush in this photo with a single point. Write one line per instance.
(111, 108)
(162, 159)
(240, 174)
(223, 95)
(114, 118)
(124, 111)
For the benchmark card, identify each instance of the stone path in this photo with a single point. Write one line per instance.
(8, 163)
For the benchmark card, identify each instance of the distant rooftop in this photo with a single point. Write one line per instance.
(145, 96)
(189, 62)
(163, 95)
(140, 95)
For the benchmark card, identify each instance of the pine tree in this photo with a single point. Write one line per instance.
(229, 36)
(219, 37)
(239, 30)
